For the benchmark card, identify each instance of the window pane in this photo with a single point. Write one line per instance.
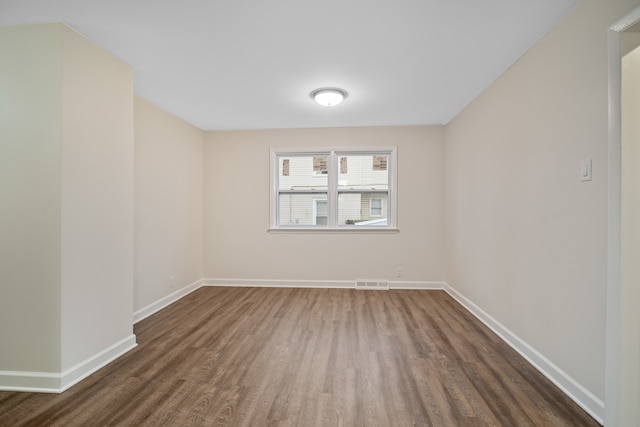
(321, 214)
(302, 172)
(375, 207)
(356, 208)
(302, 209)
(364, 172)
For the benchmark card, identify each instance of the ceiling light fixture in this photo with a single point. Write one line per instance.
(329, 96)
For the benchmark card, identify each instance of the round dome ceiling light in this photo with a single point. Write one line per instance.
(329, 96)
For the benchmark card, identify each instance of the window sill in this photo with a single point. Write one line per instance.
(341, 230)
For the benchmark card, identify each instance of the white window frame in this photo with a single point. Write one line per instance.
(333, 165)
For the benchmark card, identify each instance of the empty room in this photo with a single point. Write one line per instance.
(319, 213)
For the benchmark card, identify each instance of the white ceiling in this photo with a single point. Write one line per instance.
(251, 64)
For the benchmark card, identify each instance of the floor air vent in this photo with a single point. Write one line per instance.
(375, 285)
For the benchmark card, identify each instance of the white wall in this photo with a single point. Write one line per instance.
(525, 239)
(236, 210)
(30, 72)
(168, 204)
(628, 411)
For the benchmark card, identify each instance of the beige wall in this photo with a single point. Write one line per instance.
(526, 240)
(67, 205)
(168, 204)
(628, 411)
(236, 210)
(30, 72)
(97, 199)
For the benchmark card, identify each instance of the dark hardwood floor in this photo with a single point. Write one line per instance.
(307, 357)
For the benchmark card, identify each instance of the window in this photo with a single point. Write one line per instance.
(345, 189)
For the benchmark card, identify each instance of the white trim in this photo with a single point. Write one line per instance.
(343, 229)
(574, 390)
(627, 21)
(274, 171)
(87, 367)
(35, 382)
(427, 286)
(152, 308)
(614, 207)
(342, 284)
(49, 382)
(614, 228)
(279, 283)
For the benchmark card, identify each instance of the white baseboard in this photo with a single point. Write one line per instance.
(342, 284)
(579, 394)
(50, 382)
(278, 283)
(36, 382)
(147, 311)
(430, 286)
(82, 370)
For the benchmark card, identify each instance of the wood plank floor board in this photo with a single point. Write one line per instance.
(307, 357)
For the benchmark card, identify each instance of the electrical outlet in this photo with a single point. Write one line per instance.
(399, 272)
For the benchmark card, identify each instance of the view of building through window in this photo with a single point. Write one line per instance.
(357, 184)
